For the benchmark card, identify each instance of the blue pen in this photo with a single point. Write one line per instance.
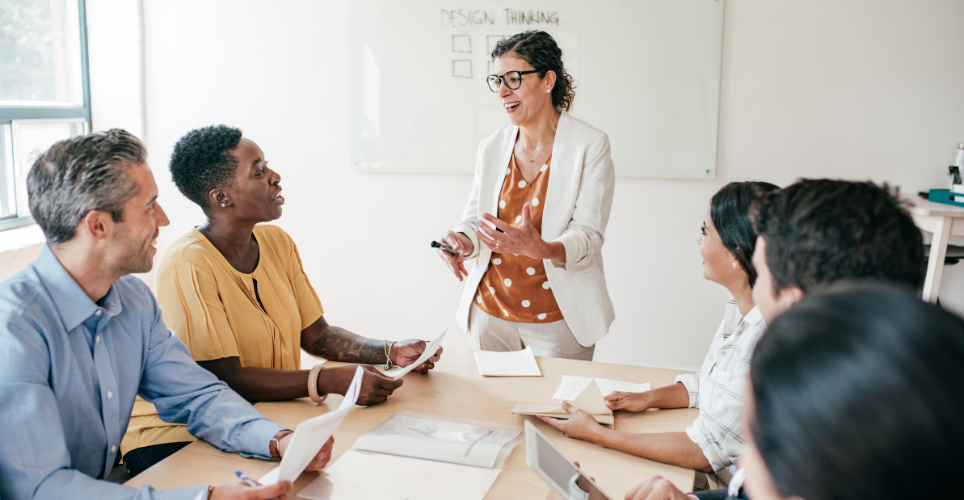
(246, 480)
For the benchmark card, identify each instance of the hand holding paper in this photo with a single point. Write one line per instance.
(312, 436)
(429, 351)
(590, 400)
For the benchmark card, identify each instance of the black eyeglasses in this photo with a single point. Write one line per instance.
(512, 80)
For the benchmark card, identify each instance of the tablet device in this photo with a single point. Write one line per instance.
(562, 476)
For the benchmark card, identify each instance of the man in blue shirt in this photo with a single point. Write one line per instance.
(80, 338)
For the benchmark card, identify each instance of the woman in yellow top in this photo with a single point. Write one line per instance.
(236, 294)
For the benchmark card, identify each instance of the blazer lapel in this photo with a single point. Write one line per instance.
(560, 182)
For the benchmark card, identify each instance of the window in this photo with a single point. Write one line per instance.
(44, 90)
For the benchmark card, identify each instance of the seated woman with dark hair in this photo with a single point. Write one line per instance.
(854, 393)
(713, 443)
(235, 292)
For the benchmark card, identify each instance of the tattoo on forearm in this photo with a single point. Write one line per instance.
(338, 344)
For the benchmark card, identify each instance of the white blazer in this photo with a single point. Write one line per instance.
(578, 201)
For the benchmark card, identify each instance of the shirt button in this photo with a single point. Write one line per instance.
(98, 312)
(110, 394)
(113, 449)
(97, 338)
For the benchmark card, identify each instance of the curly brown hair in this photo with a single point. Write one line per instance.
(540, 50)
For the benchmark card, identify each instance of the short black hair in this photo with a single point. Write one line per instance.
(82, 174)
(818, 232)
(730, 213)
(857, 394)
(202, 161)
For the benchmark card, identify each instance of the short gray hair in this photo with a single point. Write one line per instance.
(82, 174)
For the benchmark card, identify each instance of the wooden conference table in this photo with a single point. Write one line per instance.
(943, 221)
(455, 389)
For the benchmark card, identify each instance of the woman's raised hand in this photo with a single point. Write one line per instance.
(456, 263)
(522, 240)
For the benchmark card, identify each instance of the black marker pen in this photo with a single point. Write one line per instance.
(446, 248)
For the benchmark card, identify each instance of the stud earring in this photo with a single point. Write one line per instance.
(735, 265)
(225, 204)
(548, 90)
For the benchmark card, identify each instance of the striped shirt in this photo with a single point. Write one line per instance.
(70, 369)
(717, 389)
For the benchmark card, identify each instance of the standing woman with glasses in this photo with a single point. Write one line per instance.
(536, 216)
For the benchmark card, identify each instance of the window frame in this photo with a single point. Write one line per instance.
(67, 112)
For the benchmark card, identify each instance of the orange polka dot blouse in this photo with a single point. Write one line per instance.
(515, 288)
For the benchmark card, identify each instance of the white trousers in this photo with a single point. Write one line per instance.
(546, 339)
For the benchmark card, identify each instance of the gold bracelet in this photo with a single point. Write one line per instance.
(313, 384)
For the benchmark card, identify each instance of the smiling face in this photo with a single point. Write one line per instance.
(256, 194)
(133, 240)
(717, 260)
(531, 100)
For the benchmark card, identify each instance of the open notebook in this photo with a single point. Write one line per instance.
(419, 456)
(590, 399)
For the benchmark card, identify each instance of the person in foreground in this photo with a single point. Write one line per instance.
(81, 338)
(854, 394)
(236, 294)
(812, 233)
(714, 441)
(536, 217)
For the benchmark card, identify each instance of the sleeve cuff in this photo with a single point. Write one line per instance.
(692, 385)
(257, 437)
(695, 435)
(469, 231)
(570, 247)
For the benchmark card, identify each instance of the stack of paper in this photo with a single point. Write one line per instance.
(587, 395)
(507, 364)
(419, 457)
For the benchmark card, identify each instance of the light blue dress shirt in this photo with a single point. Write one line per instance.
(69, 371)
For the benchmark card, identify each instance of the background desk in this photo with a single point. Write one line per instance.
(943, 221)
(455, 389)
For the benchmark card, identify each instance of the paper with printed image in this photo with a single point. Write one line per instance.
(312, 434)
(429, 351)
(572, 386)
(452, 442)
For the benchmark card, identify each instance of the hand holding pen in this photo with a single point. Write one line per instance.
(249, 489)
(452, 249)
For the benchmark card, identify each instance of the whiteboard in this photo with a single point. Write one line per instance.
(647, 73)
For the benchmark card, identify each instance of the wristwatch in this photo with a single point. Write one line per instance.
(274, 446)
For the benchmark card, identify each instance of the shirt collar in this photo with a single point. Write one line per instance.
(754, 317)
(73, 305)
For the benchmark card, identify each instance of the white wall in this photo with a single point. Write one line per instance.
(859, 89)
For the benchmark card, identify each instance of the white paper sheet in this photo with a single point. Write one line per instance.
(571, 387)
(350, 478)
(508, 364)
(429, 351)
(310, 436)
(453, 442)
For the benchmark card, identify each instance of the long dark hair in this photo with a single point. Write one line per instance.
(858, 394)
(730, 212)
(539, 49)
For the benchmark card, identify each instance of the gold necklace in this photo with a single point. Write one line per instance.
(536, 154)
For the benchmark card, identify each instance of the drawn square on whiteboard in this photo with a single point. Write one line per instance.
(462, 43)
(491, 41)
(462, 68)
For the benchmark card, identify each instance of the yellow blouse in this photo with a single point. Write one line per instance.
(219, 312)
